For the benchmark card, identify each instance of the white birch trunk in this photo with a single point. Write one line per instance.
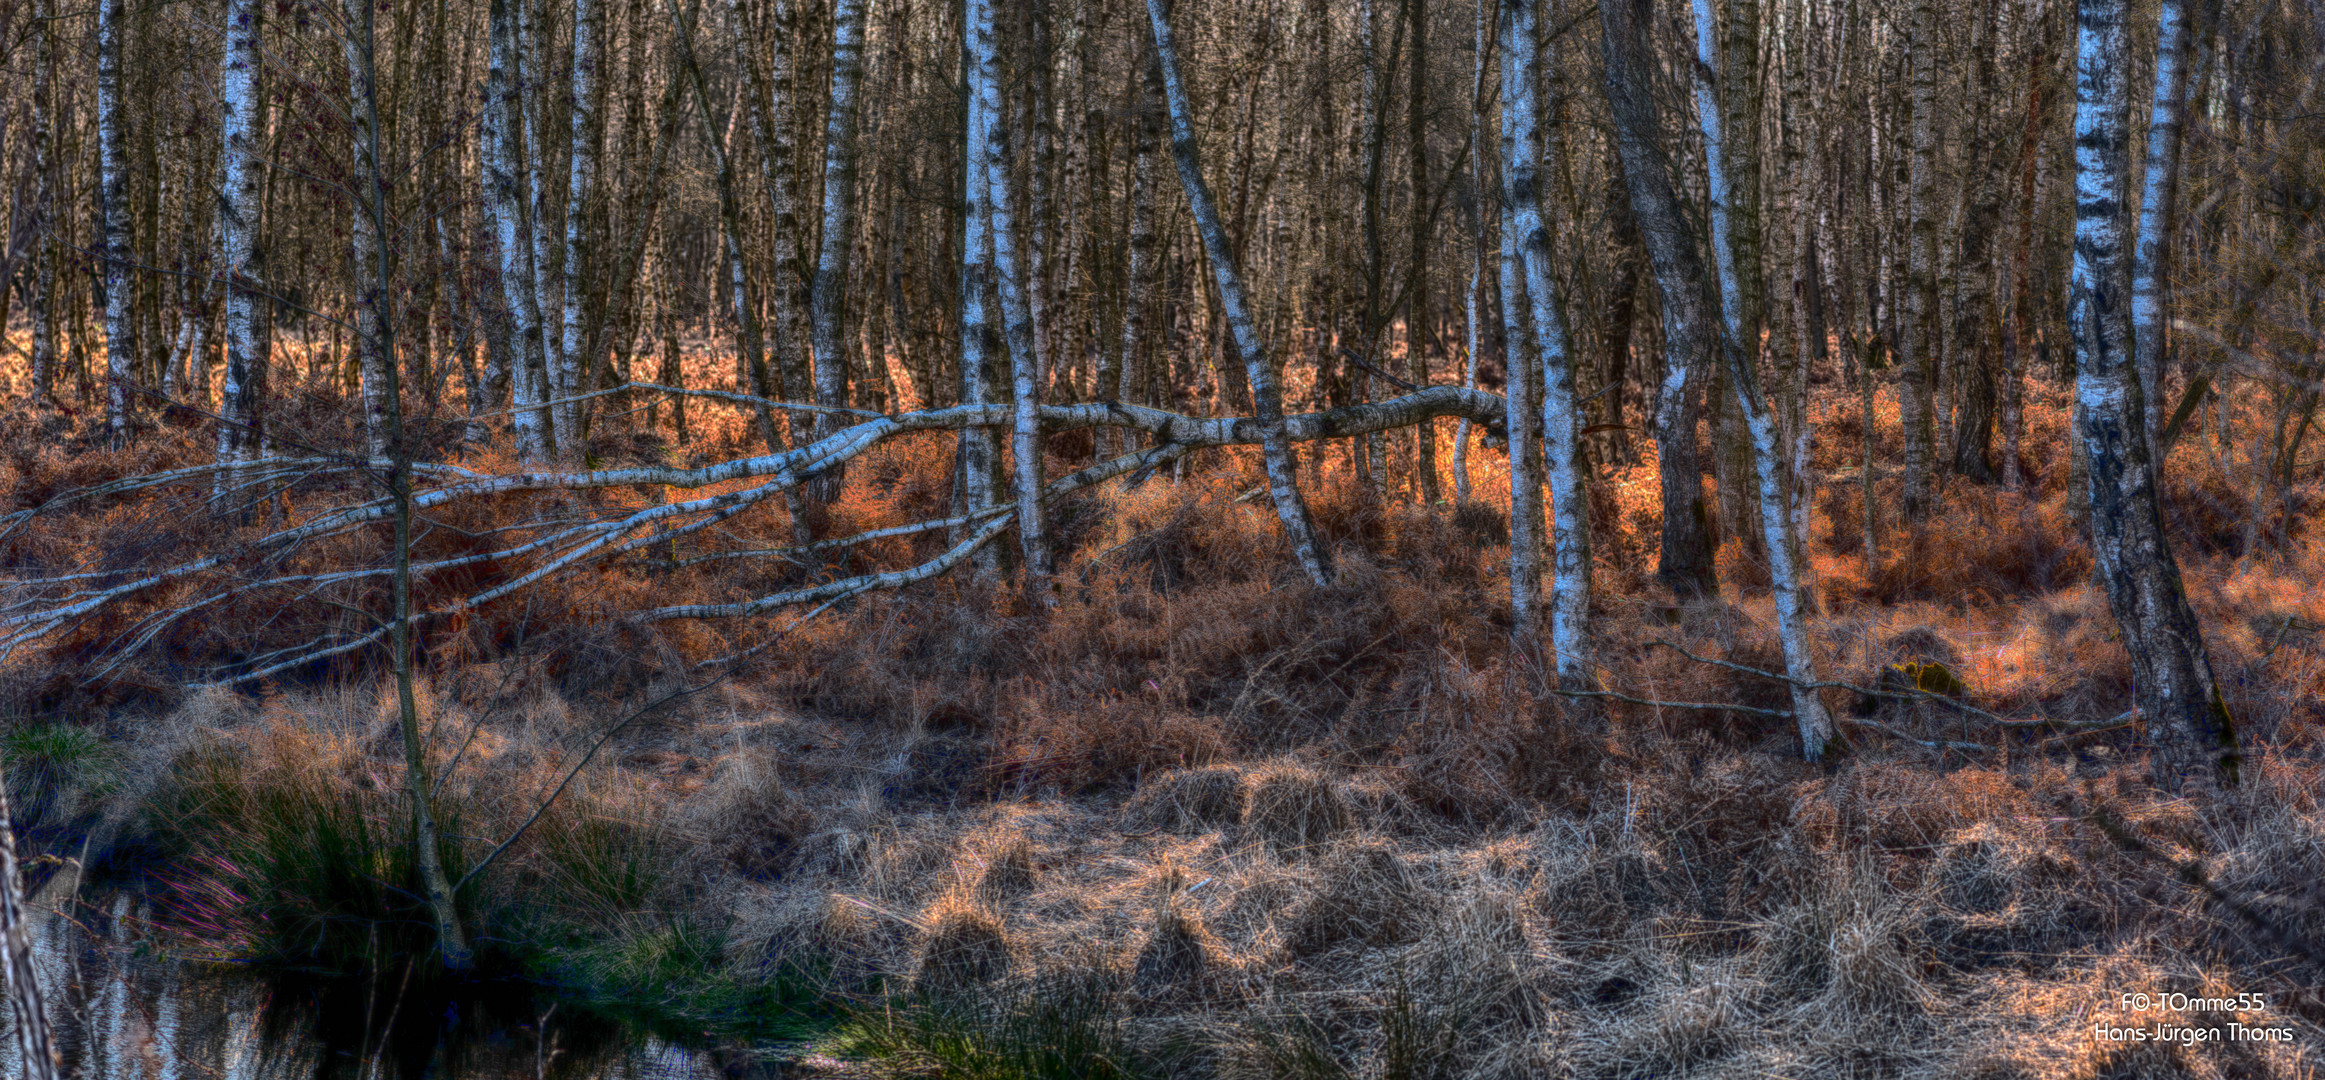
(238, 209)
(1525, 152)
(364, 243)
(829, 293)
(2157, 191)
(1016, 313)
(541, 233)
(505, 191)
(1815, 725)
(113, 208)
(581, 180)
(2196, 745)
(980, 449)
(1266, 395)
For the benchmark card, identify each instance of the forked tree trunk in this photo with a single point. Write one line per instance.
(1266, 395)
(2196, 749)
(1685, 564)
(1784, 562)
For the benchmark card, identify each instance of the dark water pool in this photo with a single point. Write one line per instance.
(124, 1009)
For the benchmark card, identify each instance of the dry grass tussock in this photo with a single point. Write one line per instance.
(1213, 822)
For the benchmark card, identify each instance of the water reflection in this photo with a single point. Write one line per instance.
(123, 1010)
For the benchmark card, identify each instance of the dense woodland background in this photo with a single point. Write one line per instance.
(1487, 401)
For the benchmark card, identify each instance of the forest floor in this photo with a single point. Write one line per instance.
(1200, 818)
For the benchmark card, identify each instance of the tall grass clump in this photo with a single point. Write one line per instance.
(295, 870)
(1056, 1033)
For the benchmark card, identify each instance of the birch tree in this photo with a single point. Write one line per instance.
(1259, 369)
(2159, 191)
(2195, 742)
(1016, 311)
(829, 293)
(1917, 338)
(113, 209)
(980, 448)
(240, 127)
(505, 200)
(581, 180)
(1784, 559)
(1526, 242)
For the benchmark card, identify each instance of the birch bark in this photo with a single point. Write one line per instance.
(505, 192)
(1815, 725)
(2194, 738)
(829, 294)
(113, 212)
(240, 128)
(1528, 146)
(1266, 395)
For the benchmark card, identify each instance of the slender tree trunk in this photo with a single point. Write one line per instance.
(2195, 742)
(1522, 347)
(1127, 378)
(1009, 279)
(2158, 212)
(981, 345)
(1815, 725)
(241, 125)
(1259, 369)
(1527, 145)
(505, 183)
(1420, 328)
(47, 120)
(375, 297)
(584, 134)
(371, 337)
(113, 211)
(1916, 348)
(829, 296)
(1685, 564)
(2015, 337)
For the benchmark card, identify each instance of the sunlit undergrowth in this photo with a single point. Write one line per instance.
(1199, 818)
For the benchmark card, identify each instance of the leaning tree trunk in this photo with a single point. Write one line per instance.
(1524, 152)
(2195, 740)
(829, 295)
(1688, 333)
(2158, 194)
(374, 297)
(1266, 396)
(1009, 278)
(113, 209)
(1784, 561)
(238, 208)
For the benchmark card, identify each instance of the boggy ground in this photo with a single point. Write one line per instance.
(1200, 819)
